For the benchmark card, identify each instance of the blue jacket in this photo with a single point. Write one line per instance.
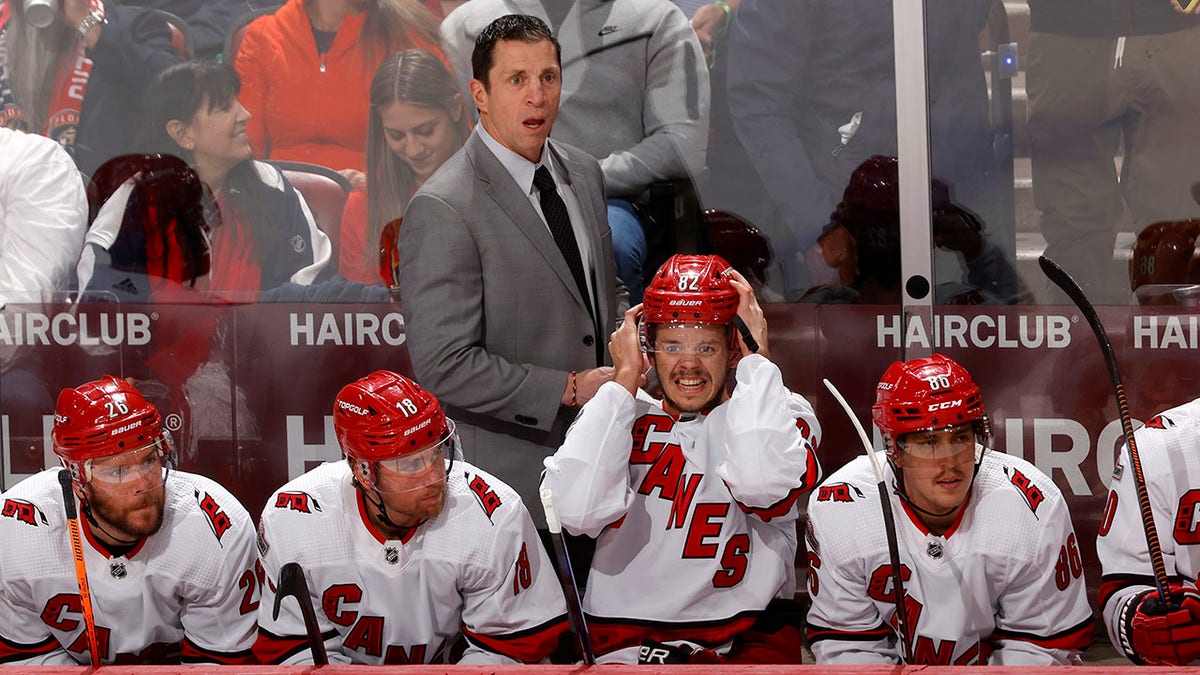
(799, 69)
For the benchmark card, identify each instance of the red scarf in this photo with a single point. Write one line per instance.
(70, 86)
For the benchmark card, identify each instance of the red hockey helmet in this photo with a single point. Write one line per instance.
(925, 395)
(691, 290)
(1165, 253)
(874, 186)
(386, 419)
(103, 418)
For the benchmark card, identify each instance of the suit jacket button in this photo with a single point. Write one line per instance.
(524, 419)
(588, 340)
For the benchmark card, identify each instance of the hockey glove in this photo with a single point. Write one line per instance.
(1162, 635)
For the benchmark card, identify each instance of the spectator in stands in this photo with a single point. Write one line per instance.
(209, 21)
(1103, 75)
(863, 242)
(812, 91)
(265, 235)
(43, 215)
(635, 95)
(417, 121)
(79, 79)
(709, 20)
(307, 69)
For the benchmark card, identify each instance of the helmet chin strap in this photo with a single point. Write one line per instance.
(898, 488)
(381, 508)
(87, 511)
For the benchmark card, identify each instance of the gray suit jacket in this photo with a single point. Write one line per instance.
(493, 317)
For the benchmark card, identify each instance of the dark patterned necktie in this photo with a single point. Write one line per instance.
(555, 211)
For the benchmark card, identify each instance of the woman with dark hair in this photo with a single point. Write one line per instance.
(265, 235)
(307, 68)
(76, 80)
(417, 121)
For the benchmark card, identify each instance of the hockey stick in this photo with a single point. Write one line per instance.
(889, 524)
(1064, 281)
(85, 591)
(566, 577)
(291, 582)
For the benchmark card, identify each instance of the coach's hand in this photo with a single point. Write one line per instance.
(1165, 635)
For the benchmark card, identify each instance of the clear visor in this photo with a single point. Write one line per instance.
(416, 470)
(138, 469)
(675, 346)
(959, 443)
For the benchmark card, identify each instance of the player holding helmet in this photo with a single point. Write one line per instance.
(406, 548)
(1138, 625)
(169, 555)
(988, 556)
(692, 499)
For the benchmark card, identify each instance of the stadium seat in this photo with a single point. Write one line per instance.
(325, 192)
(233, 41)
(181, 33)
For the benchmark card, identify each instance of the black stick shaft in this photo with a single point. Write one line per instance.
(292, 582)
(1064, 281)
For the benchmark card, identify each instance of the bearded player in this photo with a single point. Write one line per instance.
(169, 555)
(990, 564)
(411, 556)
(692, 498)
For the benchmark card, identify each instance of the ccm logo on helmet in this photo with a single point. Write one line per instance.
(945, 405)
(353, 408)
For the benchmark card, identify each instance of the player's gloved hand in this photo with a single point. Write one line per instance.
(1162, 635)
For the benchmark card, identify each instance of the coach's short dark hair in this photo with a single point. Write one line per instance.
(509, 27)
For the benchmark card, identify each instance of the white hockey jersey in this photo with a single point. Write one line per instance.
(1169, 448)
(477, 568)
(189, 591)
(1003, 585)
(694, 517)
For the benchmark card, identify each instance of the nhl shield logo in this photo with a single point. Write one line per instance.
(934, 550)
(391, 555)
(117, 569)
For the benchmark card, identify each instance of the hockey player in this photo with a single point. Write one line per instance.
(989, 560)
(1139, 626)
(169, 555)
(692, 499)
(406, 549)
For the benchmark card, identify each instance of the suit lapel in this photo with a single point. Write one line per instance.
(508, 196)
